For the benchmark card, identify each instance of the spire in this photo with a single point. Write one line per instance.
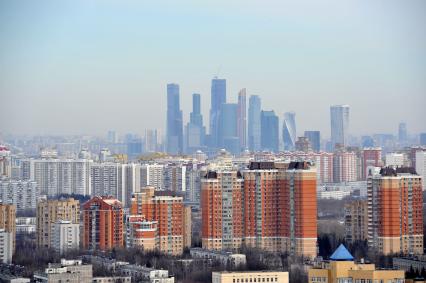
(341, 254)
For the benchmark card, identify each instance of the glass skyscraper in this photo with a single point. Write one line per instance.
(339, 116)
(218, 97)
(195, 131)
(269, 131)
(254, 123)
(314, 138)
(289, 131)
(174, 135)
(228, 134)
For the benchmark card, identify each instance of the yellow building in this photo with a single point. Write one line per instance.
(250, 276)
(8, 219)
(49, 212)
(343, 269)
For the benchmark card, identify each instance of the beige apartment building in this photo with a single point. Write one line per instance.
(250, 276)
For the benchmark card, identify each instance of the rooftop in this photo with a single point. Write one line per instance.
(341, 254)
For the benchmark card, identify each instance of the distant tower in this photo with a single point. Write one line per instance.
(218, 97)
(228, 135)
(289, 131)
(269, 131)
(402, 133)
(339, 116)
(242, 120)
(254, 123)
(314, 138)
(174, 136)
(195, 131)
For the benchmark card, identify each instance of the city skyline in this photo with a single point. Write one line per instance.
(352, 54)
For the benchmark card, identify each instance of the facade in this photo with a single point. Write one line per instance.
(22, 194)
(109, 179)
(371, 157)
(65, 236)
(141, 233)
(395, 204)
(339, 116)
(71, 271)
(59, 176)
(343, 268)
(269, 131)
(224, 257)
(174, 133)
(289, 131)
(344, 166)
(26, 225)
(103, 223)
(8, 221)
(254, 123)
(49, 212)
(145, 274)
(167, 209)
(268, 206)
(152, 175)
(6, 246)
(395, 159)
(218, 98)
(314, 138)
(250, 276)
(356, 221)
(418, 263)
(242, 119)
(421, 166)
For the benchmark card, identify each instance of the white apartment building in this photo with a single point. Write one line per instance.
(109, 179)
(65, 236)
(58, 176)
(395, 159)
(22, 194)
(6, 246)
(421, 166)
(152, 175)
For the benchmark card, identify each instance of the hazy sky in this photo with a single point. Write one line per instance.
(86, 66)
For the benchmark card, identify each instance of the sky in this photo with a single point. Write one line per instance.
(86, 66)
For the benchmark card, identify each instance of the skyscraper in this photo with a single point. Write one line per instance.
(218, 97)
(269, 131)
(174, 138)
(242, 120)
(289, 130)
(195, 131)
(402, 133)
(314, 138)
(254, 123)
(422, 138)
(339, 116)
(228, 134)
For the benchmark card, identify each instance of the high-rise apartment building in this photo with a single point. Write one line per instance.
(339, 116)
(8, 221)
(314, 138)
(22, 194)
(371, 157)
(344, 166)
(269, 206)
(395, 159)
(6, 246)
(141, 233)
(356, 221)
(65, 236)
(254, 123)
(395, 204)
(269, 131)
(167, 209)
(51, 211)
(421, 166)
(218, 98)
(242, 119)
(103, 223)
(59, 176)
(109, 179)
(152, 175)
(174, 135)
(289, 131)
(151, 140)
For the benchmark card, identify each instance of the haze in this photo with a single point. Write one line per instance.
(83, 67)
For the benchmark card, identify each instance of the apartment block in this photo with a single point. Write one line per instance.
(22, 194)
(51, 211)
(395, 204)
(103, 223)
(250, 276)
(356, 221)
(65, 236)
(8, 221)
(6, 246)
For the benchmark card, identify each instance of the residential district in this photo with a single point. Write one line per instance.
(246, 202)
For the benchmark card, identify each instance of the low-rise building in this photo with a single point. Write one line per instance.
(145, 274)
(114, 279)
(70, 271)
(250, 276)
(405, 263)
(224, 257)
(6, 278)
(342, 268)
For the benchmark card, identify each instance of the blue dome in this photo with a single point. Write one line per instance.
(341, 254)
